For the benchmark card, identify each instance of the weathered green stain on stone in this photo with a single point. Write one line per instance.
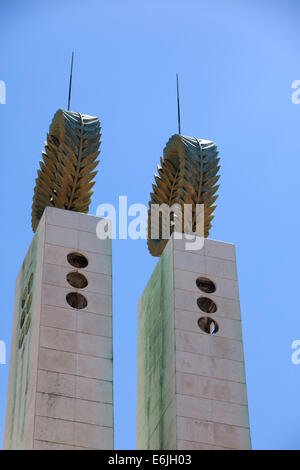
(22, 355)
(156, 359)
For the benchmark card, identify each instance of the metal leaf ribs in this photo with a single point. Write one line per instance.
(187, 175)
(65, 177)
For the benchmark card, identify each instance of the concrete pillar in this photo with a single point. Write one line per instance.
(191, 383)
(61, 371)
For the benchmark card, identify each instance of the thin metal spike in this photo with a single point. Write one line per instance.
(70, 84)
(178, 105)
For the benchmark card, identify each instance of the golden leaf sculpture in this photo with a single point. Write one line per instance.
(187, 175)
(65, 177)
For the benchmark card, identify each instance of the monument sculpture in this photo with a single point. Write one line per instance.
(60, 380)
(191, 391)
(191, 377)
(187, 175)
(65, 177)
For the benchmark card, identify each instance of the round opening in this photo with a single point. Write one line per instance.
(208, 325)
(30, 282)
(22, 318)
(76, 300)
(206, 305)
(27, 324)
(78, 280)
(24, 296)
(28, 305)
(206, 285)
(77, 260)
(21, 338)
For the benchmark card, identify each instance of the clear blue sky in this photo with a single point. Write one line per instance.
(236, 61)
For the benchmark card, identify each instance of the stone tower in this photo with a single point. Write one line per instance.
(60, 380)
(191, 376)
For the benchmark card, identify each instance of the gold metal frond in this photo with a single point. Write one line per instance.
(65, 177)
(187, 175)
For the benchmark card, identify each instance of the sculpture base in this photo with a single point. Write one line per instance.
(60, 378)
(191, 383)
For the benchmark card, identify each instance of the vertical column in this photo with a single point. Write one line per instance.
(21, 393)
(73, 398)
(156, 390)
(205, 353)
(212, 408)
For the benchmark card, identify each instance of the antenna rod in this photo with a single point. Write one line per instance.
(70, 84)
(178, 105)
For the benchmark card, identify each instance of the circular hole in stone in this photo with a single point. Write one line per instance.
(21, 339)
(206, 305)
(78, 280)
(27, 324)
(24, 296)
(77, 260)
(28, 305)
(208, 325)
(22, 318)
(76, 300)
(30, 282)
(206, 285)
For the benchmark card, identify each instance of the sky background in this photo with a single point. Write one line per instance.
(236, 61)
